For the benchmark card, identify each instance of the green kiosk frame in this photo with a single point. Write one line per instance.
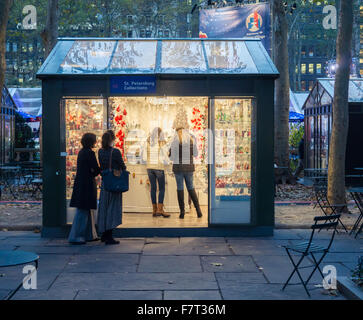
(96, 68)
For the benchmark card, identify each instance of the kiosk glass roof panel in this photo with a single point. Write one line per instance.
(88, 57)
(132, 55)
(182, 56)
(355, 88)
(229, 56)
(102, 56)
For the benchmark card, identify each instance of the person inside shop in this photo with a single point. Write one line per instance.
(182, 150)
(110, 204)
(301, 150)
(84, 195)
(155, 157)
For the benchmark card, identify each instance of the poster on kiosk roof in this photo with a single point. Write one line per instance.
(250, 20)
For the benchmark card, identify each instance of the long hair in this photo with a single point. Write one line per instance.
(156, 136)
(107, 138)
(186, 137)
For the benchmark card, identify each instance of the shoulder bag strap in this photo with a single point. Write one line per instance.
(110, 163)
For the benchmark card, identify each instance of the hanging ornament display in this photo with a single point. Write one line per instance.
(120, 125)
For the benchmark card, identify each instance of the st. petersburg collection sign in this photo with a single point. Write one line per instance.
(132, 84)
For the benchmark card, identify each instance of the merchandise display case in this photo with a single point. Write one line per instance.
(233, 148)
(82, 116)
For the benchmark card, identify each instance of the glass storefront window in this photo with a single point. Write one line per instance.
(233, 148)
(82, 116)
(231, 177)
(134, 118)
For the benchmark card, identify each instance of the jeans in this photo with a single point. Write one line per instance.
(83, 227)
(180, 177)
(156, 175)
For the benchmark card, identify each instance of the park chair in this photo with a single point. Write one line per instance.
(358, 198)
(36, 183)
(321, 195)
(317, 182)
(309, 248)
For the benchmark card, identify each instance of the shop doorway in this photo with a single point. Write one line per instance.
(133, 119)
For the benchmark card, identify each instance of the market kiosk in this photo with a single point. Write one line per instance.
(318, 109)
(226, 88)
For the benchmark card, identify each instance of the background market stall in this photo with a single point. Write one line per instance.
(318, 125)
(7, 127)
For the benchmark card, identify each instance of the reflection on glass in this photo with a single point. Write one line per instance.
(183, 56)
(233, 148)
(139, 55)
(229, 56)
(7, 138)
(324, 141)
(356, 90)
(317, 141)
(311, 142)
(88, 56)
(326, 99)
(82, 116)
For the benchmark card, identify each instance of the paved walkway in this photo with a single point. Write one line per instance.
(28, 216)
(170, 268)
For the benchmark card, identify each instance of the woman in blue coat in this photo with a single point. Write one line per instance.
(84, 196)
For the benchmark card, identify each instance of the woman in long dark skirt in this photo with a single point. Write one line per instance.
(110, 206)
(84, 196)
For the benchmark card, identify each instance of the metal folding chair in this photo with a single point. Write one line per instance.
(357, 196)
(309, 248)
(321, 195)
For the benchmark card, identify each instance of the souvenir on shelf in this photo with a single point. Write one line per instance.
(233, 147)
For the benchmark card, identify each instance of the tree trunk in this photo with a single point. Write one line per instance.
(336, 170)
(4, 17)
(282, 95)
(50, 33)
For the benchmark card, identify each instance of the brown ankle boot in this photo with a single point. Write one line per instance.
(161, 211)
(155, 210)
